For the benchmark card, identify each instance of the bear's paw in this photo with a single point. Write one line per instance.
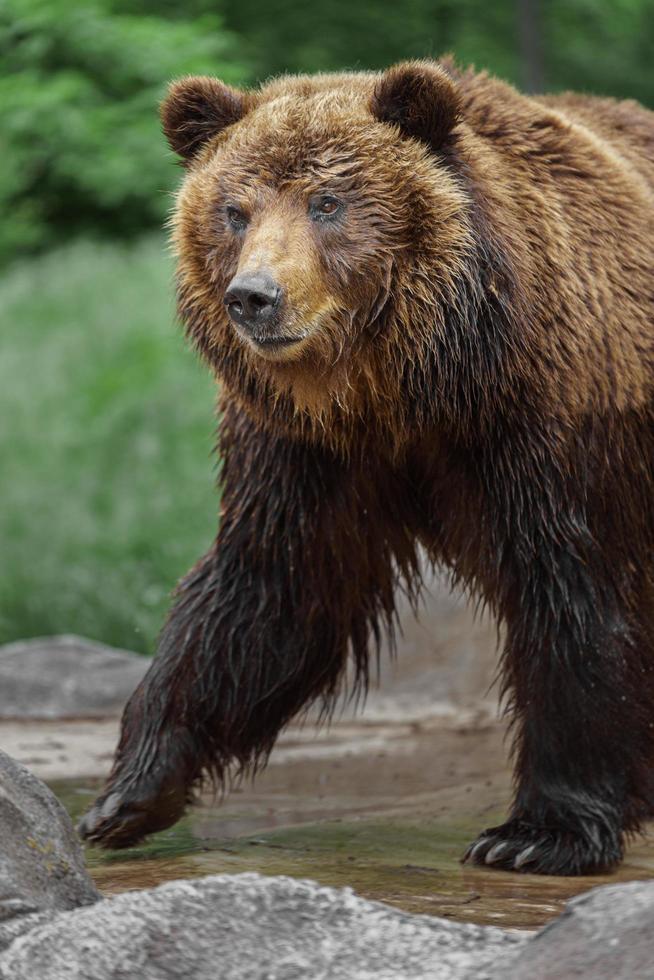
(126, 813)
(519, 845)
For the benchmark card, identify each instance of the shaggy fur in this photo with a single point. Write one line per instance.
(472, 371)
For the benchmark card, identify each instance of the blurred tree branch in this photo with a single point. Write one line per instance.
(531, 45)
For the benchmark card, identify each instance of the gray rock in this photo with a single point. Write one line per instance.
(604, 934)
(250, 927)
(64, 677)
(41, 863)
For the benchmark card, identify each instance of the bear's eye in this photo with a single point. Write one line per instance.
(236, 218)
(324, 207)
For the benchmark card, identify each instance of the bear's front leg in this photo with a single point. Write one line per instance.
(577, 681)
(302, 573)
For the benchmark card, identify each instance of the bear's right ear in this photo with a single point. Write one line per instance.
(197, 108)
(420, 98)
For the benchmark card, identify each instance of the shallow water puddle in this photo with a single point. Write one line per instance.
(389, 817)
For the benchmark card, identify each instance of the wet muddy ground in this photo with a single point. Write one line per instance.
(385, 801)
(385, 809)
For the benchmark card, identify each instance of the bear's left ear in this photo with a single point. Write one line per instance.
(420, 98)
(197, 108)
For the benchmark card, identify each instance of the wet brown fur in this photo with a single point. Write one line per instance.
(477, 378)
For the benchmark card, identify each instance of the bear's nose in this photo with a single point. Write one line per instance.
(252, 299)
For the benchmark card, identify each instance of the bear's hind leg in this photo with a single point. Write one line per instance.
(580, 691)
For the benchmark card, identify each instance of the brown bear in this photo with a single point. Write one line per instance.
(430, 304)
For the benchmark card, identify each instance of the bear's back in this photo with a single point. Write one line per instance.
(584, 133)
(626, 125)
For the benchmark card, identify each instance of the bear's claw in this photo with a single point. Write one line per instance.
(519, 845)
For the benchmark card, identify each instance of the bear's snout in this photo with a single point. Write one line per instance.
(252, 300)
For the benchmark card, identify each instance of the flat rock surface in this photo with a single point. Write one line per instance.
(249, 927)
(41, 862)
(66, 677)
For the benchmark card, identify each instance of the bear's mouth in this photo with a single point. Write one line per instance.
(273, 346)
(271, 343)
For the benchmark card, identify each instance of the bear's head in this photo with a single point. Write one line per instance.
(321, 232)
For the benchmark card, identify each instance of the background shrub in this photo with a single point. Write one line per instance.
(106, 477)
(79, 87)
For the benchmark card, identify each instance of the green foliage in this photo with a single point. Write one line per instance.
(603, 46)
(106, 478)
(291, 35)
(79, 88)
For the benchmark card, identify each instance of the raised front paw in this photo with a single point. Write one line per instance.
(519, 845)
(127, 812)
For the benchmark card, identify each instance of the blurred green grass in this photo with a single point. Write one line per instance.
(106, 483)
